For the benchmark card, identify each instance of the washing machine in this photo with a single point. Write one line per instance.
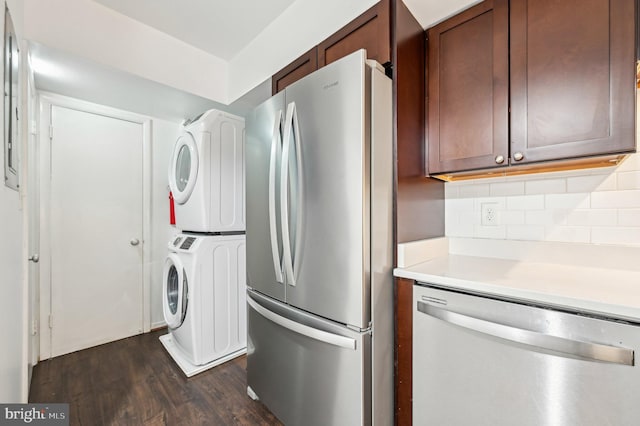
(206, 174)
(204, 300)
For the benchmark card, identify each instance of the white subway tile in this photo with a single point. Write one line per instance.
(450, 191)
(568, 234)
(507, 188)
(451, 217)
(464, 230)
(478, 202)
(450, 222)
(525, 202)
(472, 217)
(632, 163)
(567, 201)
(525, 232)
(516, 178)
(616, 199)
(629, 180)
(546, 217)
(621, 236)
(546, 186)
(511, 217)
(599, 182)
(471, 191)
(458, 204)
(629, 217)
(592, 218)
(493, 232)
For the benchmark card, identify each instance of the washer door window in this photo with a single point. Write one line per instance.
(175, 289)
(183, 168)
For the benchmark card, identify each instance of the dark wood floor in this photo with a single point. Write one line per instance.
(135, 382)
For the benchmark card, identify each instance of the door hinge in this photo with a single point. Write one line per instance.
(50, 132)
(34, 127)
(34, 327)
(51, 322)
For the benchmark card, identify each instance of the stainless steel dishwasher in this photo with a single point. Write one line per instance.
(483, 361)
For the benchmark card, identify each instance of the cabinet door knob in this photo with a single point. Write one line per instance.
(134, 242)
(499, 159)
(518, 156)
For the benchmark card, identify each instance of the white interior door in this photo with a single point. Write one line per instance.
(96, 218)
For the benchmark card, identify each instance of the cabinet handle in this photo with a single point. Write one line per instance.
(518, 156)
(499, 159)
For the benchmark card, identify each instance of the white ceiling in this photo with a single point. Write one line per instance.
(220, 27)
(223, 28)
(63, 73)
(431, 12)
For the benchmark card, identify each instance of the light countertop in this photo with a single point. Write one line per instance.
(603, 290)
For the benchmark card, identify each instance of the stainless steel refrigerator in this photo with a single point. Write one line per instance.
(319, 173)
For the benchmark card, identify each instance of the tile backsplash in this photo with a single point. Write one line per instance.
(597, 206)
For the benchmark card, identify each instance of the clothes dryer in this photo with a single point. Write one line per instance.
(204, 301)
(206, 174)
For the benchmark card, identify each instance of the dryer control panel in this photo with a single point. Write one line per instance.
(183, 242)
(187, 243)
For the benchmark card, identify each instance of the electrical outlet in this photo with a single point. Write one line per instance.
(489, 214)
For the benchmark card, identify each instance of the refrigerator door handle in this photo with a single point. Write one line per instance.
(276, 141)
(310, 332)
(583, 350)
(284, 196)
(299, 196)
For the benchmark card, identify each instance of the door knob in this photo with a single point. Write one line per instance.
(134, 242)
(34, 258)
(518, 156)
(499, 159)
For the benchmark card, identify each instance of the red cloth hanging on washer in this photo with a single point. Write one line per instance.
(172, 210)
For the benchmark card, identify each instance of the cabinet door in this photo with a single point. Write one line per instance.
(468, 89)
(572, 78)
(370, 31)
(304, 65)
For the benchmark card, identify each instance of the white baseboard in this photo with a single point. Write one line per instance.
(157, 325)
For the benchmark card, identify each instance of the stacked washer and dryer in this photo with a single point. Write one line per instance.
(204, 283)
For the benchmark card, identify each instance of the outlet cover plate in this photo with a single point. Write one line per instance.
(489, 214)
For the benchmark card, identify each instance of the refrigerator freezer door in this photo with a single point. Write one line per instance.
(329, 212)
(307, 370)
(264, 234)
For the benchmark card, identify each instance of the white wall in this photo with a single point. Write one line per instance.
(13, 366)
(93, 31)
(103, 35)
(164, 135)
(599, 206)
(300, 27)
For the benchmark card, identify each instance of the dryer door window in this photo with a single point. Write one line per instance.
(174, 289)
(183, 168)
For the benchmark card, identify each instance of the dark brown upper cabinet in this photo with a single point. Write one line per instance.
(573, 78)
(304, 65)
(370, 31)
(568, 76)
(468, 89)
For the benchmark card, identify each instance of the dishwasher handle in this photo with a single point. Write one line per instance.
(583, 350)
